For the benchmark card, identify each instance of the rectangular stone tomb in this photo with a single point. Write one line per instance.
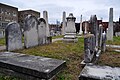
(29, 65)
(95, 72)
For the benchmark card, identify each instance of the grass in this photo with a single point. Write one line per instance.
(72, 53)
(54, 37)
(116, 41)
(2, 41)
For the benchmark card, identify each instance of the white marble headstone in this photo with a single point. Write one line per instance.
(30, 31)
(42, 31)
(13, 36)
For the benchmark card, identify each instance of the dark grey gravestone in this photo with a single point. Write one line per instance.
(13, 36)
(94, 29)
(42, 31)
(95, 72)
(35, 66)
(89, 47)
(104, 38)
(100, 36)
(30, 31)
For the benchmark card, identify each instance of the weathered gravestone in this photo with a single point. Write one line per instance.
(30, 31)
(70, 31)
(29, 66)
(94, 28)
(13, 36)
(95, 42)
(89, 48)
(42, 31)
(49, 38)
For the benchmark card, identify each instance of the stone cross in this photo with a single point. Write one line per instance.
(80, 31)
(110, 26)
(42, 31)
(64, 23)
(13, 36)
(30, 31)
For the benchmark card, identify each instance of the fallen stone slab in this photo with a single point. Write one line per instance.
(113, 46)
(96, 72)
(117, 50)
(29, 65)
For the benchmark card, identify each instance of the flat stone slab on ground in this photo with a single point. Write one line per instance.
(40, 67)
(95, 72)
(113, 46)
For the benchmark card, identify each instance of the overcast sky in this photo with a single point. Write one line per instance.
(55, 8)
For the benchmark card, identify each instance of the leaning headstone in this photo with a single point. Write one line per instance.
(30, 31)
(94, 28)
(100, 36)
(70, 31)
(89, 48)
(110, 26)
(13, 36)
(49, 38)
(42, 31)
(64, 23)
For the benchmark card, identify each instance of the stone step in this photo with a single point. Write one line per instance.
(29, 65)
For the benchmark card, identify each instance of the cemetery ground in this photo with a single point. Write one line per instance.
(73, 54)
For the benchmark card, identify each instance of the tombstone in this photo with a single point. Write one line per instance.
(94, 28)
(49, 38)
(29, 67)
(30, 31)
(70, 31)
(42, 31)
(64, 23)
(86, 26)
(100, 36)
(104, 38)
(89, 47)
(110, 25)
(80, 31)
(13, 36)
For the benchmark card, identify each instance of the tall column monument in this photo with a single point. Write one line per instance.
(110, 25)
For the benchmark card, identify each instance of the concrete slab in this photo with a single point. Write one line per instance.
(95, 72)
(36, 66)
